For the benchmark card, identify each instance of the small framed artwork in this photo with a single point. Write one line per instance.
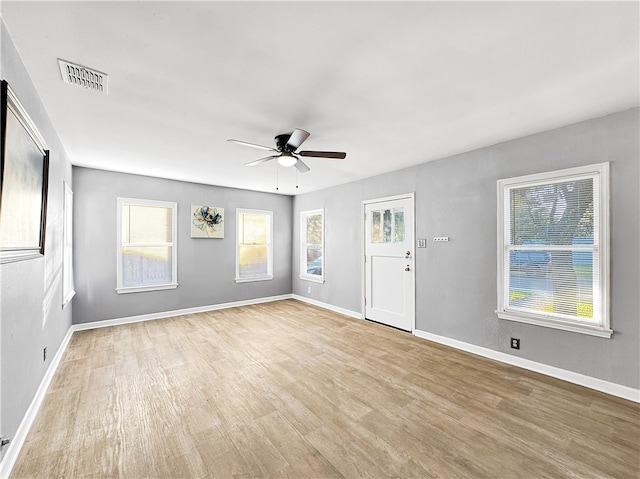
(207, 222)
(24, 172)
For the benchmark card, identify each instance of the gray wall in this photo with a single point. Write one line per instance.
(456, 281)
(206, 267)
(22, 291)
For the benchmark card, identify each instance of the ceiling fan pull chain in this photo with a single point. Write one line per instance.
(277, 186)
(296, 179)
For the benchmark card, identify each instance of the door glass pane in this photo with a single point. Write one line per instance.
(375, 227)
(386, 229)
(398, 220)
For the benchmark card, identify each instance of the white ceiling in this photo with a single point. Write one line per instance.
(393, 84)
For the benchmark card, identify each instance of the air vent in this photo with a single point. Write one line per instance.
(83, 76)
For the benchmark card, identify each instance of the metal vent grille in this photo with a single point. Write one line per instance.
(83, 76)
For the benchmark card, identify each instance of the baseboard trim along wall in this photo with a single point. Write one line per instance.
(177, 312)
(20, 436)
(335, 309)
(607, 387)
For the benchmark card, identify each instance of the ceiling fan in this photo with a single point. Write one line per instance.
(286, 152)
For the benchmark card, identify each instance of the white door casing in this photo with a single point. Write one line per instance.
(389, 278)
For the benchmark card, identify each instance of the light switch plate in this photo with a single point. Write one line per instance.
(422, 243)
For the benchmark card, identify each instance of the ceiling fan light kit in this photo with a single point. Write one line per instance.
(286, 148)
(287, 159)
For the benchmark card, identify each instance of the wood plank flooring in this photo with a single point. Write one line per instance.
(286, 389)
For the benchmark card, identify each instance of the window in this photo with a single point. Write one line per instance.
(68, 289)
(147, 248)
(553, 267)
(254, 253)
(312, 245)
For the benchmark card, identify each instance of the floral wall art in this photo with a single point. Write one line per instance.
(207, 222)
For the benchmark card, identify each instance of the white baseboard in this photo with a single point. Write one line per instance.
(19, 437)
(177, 312)
(330, 307)
(607, 387)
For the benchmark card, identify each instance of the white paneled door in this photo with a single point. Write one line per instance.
(389, 262)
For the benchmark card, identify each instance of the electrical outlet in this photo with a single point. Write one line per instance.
(44, 354)
(515, 343)
(309, 289)
(422, 243)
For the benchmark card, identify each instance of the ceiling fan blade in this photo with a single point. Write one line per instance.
(253, 145)
(297, 138)
(301, 166)
(261, 160)
(336, 155)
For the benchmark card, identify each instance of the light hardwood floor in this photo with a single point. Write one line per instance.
(290, 390)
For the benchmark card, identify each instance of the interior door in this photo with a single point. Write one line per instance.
(389, 261)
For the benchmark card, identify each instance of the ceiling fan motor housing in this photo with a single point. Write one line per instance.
(281, 141)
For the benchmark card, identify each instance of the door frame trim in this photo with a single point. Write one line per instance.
(363, 267)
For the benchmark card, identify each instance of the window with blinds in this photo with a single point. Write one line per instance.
(254, 254)
(552, 249)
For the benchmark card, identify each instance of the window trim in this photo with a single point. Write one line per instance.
(68, 287)
(269, 276)
(120, 289)
(315, 278)
(600, 173)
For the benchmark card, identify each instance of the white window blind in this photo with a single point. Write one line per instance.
(553, 242)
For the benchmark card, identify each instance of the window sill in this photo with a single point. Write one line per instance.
(554, 323)
(313, 279)
(67, 300)
(257, 278)
(142, 289)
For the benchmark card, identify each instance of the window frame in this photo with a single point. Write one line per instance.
(120, 288)
(304, 215)
(269, 276)
(68, 287)
(600, 173)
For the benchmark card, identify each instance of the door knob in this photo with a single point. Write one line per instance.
(407, 268)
